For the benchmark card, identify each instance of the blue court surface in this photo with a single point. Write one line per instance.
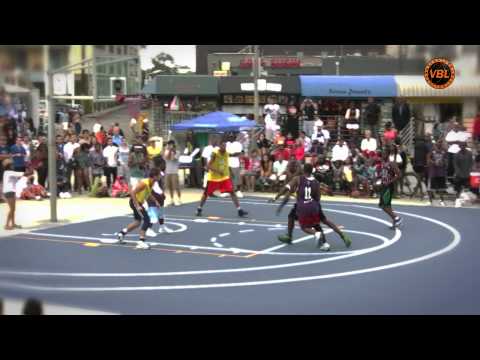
(221, 264)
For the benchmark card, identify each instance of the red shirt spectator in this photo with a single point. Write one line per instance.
(101, 137)
(283, 151)
(299, 152)
(476, 128)
(390, 134)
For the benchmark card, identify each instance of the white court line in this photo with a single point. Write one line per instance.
(131, 242)
(246, 231)
(456, 241)
(387, 243)
(223, 235)
(229, 223)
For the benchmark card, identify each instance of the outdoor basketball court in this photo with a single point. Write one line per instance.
(221, 264)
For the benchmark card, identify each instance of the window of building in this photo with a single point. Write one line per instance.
(111, 48)
(119, 50)
(125, 49)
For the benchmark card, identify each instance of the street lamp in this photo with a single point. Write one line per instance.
(256, 107)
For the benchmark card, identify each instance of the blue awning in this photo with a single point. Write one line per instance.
(348, 86)
(215, 122)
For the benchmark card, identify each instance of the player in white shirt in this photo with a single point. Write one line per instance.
(10, 179)
(234, 149)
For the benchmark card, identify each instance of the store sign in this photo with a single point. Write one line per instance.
(221, 73)
(349, 92)
(276, 63)
(262, 85)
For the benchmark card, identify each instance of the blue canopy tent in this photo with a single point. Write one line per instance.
(215, 122)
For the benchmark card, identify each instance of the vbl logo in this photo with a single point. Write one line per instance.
(439, 74)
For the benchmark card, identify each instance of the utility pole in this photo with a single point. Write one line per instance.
(52, 151)
(256, 107)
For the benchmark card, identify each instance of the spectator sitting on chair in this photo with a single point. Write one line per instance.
(323, 172)
(337, 172)
(299, 150)
(369, 145)
(340, 152)
(279, 139)
(266, 169)
(262, 142)
(281, 151)
(279, 175)
(322, 135)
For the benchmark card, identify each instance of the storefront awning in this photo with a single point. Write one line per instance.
(416, 86)
(196, 85)
(348, 86)
(272, 85)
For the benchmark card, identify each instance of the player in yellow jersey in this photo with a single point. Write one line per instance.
(138, 196)
(219, 179)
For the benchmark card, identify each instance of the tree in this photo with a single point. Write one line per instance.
(161, 65)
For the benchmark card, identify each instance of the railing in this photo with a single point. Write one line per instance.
(407, 136)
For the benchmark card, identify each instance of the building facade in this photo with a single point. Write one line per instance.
(24, 65)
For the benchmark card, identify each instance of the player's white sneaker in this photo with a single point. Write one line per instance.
(179, 202)
(142, 245)
(150, 233)
(224, 195)
(325, 247)
(458, 203)
(239, 194)
(61, 195)
(442, 203)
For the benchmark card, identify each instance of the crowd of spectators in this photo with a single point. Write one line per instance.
(108, 161)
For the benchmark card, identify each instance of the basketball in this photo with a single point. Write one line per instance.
(355, 194)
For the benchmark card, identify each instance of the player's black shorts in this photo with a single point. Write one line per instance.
(293, 213)
(141, 216)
